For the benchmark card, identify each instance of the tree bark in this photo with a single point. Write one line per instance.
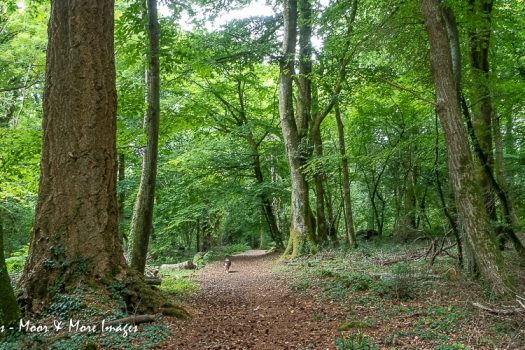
(347, 199)
(473, 219)
(300, 228)
(142, 221)
(75, 236)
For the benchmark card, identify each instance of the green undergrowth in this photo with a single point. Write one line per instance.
(74, 320)
(392, 297)
(178, 282)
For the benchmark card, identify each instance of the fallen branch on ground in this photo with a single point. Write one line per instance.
(187, 265)
(505, 311)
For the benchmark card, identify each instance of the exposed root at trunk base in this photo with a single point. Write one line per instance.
(142, 298)
(298, 245)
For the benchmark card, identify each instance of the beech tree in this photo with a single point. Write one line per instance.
(473, 217)
(301, 228)
(75, 234)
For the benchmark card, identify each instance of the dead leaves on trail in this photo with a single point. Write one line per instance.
(252, 308)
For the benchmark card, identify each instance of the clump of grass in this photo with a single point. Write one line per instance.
(356, 342)
(178, 283)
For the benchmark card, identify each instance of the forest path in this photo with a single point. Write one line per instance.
(252, 308)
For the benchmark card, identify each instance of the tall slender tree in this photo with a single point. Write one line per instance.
(142, 221)
(347, 198)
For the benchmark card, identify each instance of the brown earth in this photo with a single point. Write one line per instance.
(252, 308)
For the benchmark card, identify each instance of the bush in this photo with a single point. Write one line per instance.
(15, 263)
(201, 259)
(177, 284)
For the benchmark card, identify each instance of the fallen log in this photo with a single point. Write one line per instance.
(506, 311)
(186, 265)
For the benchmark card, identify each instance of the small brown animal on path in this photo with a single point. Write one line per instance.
(252, 309)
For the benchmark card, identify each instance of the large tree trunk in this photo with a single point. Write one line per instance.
(75, 236)
(300, 227)
(304, 112)
(473, 217)
(9, 310)
(347, 199)
(142, 221)
(484, 113)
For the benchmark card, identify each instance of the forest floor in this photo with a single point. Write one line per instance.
(363, 300)
(252, 307)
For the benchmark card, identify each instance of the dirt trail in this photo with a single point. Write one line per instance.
(252, 308)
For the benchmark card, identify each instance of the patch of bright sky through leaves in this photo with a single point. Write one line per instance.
(255, 8)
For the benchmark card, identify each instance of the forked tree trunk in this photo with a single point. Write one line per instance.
(473, 217)
(75, 236)
(300, 226)
(142, 221)
(347, 198)
(304, 112)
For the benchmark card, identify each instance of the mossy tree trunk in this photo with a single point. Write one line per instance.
(75, 236)
(300, 227)
(473, 218)
(142, 221)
